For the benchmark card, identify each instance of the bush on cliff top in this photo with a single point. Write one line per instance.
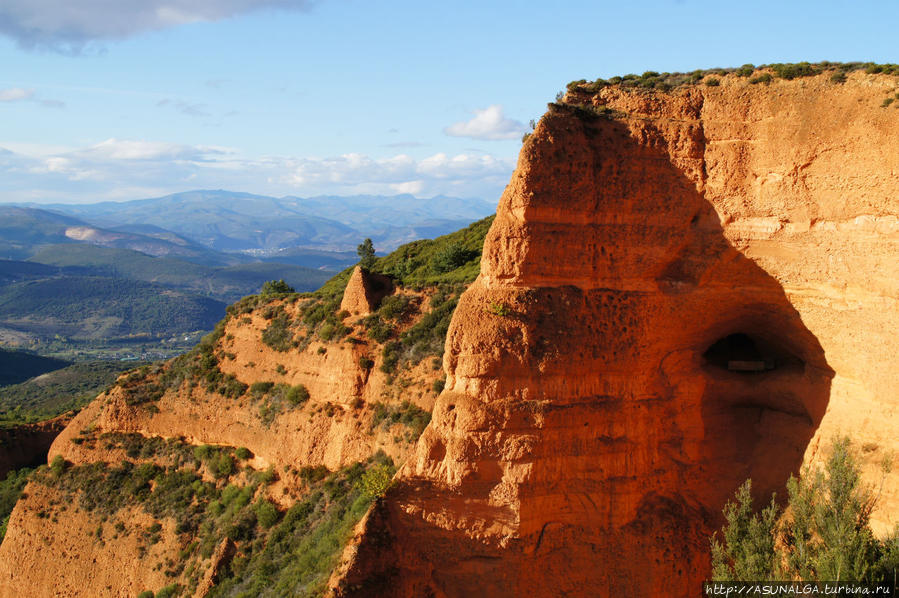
(651, 80)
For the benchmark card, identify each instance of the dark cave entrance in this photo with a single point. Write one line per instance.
(744, 353)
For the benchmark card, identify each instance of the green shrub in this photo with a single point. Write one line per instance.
(223, 465)
(278, 334)
(390, 357)
(499, 309)
(450, 257)
(266, 514)
(266, 477)
(823, 536)
(793, 71)
(838, 77)
(396, 307)
(406, 413)
(438, 385)
(378, 330)
(712, 82)
(243, 453)
(365, 362)
(58, 465)
(765, 78)
(887, 102)
(260, 388)
(297, 395)
(746, 70)
(10, 491)
(311, 474)
(748, 550)
(276, 287)
(376, 481)
(169, 591)
(146, 594)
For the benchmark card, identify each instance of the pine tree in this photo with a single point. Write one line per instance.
(366, 252)
(748, 551)
(823, 534)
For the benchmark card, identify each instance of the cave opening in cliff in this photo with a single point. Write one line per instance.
(744, 353)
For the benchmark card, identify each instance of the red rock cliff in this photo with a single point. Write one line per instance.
(595, 417)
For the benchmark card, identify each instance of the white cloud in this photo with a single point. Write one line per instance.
(15, 94)
(131, 169)
(115, 149)
(410, 187)
(488, 124)
(68, 25)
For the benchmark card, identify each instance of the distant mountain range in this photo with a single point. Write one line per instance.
(152, 268)
(228, 221)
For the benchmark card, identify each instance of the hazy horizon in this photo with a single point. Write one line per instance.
(292, 97)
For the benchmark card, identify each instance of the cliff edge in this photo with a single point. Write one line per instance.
(681, 290)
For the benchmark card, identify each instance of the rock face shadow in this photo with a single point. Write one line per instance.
(651, 368)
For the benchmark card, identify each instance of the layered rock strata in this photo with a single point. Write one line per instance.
(680, 291)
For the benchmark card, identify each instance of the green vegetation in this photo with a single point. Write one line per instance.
(376, 481)
(10, 491)
(275, 398)
(425, 338)
(407, 414)
(366, 252)
(823, 535)
(18, 366)
(58, 391)
(651, 80)
(279, 552)
(452, 258)
(448, 262)
(765, 78)
(297, 555)
(297, 395)
(104, 308)
(276, 287)
(499, 309)
(228, 283)
(278, 334)
(200, 366)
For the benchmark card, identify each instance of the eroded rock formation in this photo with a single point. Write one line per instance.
(680, 291)
(57, 546)
(364, 292)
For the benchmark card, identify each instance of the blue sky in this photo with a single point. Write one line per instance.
(139, 98)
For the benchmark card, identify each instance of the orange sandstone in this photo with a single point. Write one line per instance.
(699, 290)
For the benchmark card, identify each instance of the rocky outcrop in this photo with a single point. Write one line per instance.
(680, 291)
(364, 292)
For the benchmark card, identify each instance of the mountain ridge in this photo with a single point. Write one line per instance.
(237, 221)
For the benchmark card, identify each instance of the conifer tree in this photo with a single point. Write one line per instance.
(822, 535)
